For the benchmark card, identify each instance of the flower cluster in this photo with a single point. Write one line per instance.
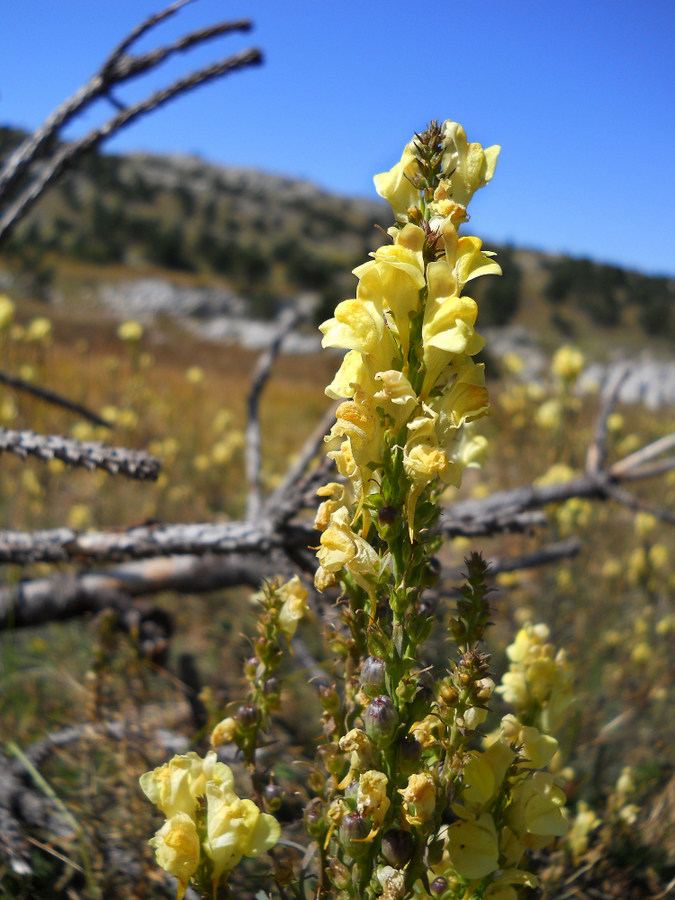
(400, 744)
(408, 380)
(539, 683)
(208, 827)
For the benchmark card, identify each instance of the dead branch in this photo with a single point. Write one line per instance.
(31, 603)
(119, 67)
(52, 397)
(503, 511)
(87, 454)
(288, 320)
(596, 455)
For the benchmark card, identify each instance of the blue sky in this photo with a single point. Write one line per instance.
(579, 94)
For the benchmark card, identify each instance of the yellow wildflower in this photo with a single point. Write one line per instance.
(396, 186)
(130, 331)
(419, 798)
(371, 798)
(177, 849)
(235, 828)
(224, 732)
(473, 846)
(294, 606)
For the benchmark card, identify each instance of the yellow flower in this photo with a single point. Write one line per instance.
(419, 798)
(472, 167)
(473, 846)
(536, 808)
(130, 331)
(371, 798)
(38, 331)
(396, 278)
(224, 732)
(567, 363)
(340, 546)
(396, 186)
(194, 375)
(168, 786)
(177, 848)
(294, 606)
(585, 821)
(484, 773)
(359, 325)
(235, 828)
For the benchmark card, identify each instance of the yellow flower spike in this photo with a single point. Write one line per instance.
(396, 186)
(473, 847)
(177, 849)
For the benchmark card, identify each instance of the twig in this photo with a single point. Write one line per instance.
(70, 153)
(51, 397)
(628, 464)
(87, 454)
(597, 450)
(288, 320)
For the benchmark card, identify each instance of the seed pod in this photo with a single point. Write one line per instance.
(397, 847)
(380, 720)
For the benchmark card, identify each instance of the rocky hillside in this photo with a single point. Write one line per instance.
(217, 247)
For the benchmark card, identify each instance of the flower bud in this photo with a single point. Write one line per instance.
(353, 832)
(313, 816)
(273, 796)
(247, 715)
(397, 847)
(330, 700)
(380, 720)
(409, 751)
(373, 671)
(438, 886)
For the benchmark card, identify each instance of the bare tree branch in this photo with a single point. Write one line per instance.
(31, 603)
(288, 320)
(71, 153)
(624, 467)
(52, 397)
(119, 67)
(87, 454)
(596, 455)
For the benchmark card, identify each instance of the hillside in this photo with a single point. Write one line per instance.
(144, 234)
